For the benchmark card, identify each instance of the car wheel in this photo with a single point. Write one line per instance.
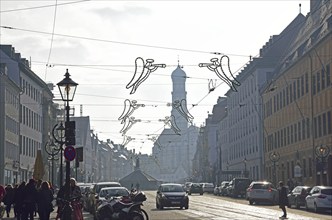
(189, 193)
(306, 206)
(186, 206)
(251, 202)
(161, 207)
(297, 205)
(157, 206)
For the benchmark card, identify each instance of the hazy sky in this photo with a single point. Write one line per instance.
(99, 40)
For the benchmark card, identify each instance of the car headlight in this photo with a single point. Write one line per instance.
(163, 195)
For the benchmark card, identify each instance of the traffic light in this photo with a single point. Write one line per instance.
(70, 138)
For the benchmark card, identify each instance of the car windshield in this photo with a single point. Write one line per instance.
(208, 185)
(99, 187)
(327, 191)
(172, 188)
(113, 192)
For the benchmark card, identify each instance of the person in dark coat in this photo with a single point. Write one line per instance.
(8, 200)
(19, 195)
(44, 201)
(283, 200)
(29, 200)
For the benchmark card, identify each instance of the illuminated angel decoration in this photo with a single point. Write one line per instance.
(155, 141)
(181, 107)
(228, 78)
(129, 108)
(126, 140)
(212, 85)
(142, 72)
(128, 122)
(170, 121)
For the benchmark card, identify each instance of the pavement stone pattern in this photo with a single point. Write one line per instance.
(86, 216)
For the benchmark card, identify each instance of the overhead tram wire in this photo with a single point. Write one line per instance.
(42, 6)
(51, 46)
(117, 42)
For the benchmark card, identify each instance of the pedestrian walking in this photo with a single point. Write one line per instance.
(8, 200)
(19, 196)
(29, 200)
(283, 200)
(2, 195)
(44, 201)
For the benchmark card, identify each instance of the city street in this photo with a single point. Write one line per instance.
(211, 207)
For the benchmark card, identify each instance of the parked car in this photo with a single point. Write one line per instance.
(94, 191)
(195, 188)
(171, 195)
(297, 196)
(109, 192)
(85, 190)
(207, 187)
(216, 190)
(238, 187)
(223, 188)
(262, 191)
(319, 198)
(187, 185)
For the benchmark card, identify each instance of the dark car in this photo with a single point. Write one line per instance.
(297, 196)
(195, 188)
(171, 195)
(238, 187)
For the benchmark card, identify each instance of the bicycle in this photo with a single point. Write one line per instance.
(71, 209)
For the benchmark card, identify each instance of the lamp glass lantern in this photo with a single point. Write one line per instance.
(67, 88)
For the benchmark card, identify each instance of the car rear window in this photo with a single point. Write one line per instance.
(260, 186)
(99, 187)
(327, 191)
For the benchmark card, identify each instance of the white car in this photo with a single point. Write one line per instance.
(319, 198)
(260, 192)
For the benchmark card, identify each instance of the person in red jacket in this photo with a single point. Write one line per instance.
(2, 192)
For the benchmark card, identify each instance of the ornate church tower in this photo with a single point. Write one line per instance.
(178, 94)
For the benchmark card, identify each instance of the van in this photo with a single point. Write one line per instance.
(238, 186)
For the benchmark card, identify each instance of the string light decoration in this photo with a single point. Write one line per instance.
(142, 72)
(128, 122)
(215, 66)
(126, 140)
(170, 121)
(181, 107)
(129, 108)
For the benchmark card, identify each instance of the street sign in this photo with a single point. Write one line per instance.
(69, 153)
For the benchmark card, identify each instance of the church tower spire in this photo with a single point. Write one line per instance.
(178, 94)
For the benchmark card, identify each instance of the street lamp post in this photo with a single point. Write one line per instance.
(58, 135)
(67, 89)
(322, 152)
(274, 157)
(245, 166)
(52, 151)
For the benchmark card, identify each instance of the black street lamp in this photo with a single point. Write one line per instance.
(245, 166)
(67, 89)
(52, 151)
(274, 157)
(321, 152)
(58, 134)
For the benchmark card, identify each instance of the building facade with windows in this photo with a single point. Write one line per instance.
(297, 113)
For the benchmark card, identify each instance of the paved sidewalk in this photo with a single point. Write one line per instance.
(86, 215)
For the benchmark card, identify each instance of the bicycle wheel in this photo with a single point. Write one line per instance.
(145, 214)
(66, 213)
